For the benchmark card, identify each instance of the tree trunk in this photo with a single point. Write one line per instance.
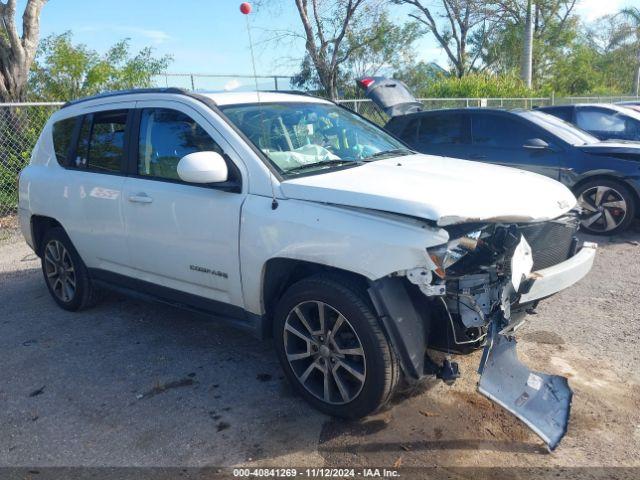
(527, 52)
(13, 82)
(17, 51)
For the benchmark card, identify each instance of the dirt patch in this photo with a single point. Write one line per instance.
(164, 387)
(9, 222)
(543, 336)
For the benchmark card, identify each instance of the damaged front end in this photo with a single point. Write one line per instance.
(477, 292)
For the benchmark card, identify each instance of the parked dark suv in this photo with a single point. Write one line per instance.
(605, 176)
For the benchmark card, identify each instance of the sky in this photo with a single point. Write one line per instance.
(210, 36)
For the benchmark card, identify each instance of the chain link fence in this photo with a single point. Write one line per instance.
(20, 126)
(21, 123)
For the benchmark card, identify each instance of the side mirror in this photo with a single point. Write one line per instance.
(536, 144)
(203, 167)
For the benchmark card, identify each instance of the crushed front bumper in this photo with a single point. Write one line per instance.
(548, 281)
(415, 318)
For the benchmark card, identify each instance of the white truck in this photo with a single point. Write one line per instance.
(303, 222)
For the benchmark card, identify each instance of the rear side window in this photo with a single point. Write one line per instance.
(441, 129)
(165, 137)
(563, 113)
(101, 141)
(62, 138)
(407, 131)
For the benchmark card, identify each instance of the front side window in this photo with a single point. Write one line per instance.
(556, 127)
(62, 138)
(499, 131)
(300, 138)
(101, 141)
(165, 137)
(596, 120)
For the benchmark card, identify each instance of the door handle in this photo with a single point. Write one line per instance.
(140, 198)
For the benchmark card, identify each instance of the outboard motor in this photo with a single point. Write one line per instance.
(392, 96)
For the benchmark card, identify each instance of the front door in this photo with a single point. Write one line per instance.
(181, 236)
(500, 138)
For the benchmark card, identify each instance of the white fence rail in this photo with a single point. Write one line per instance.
(21, 123)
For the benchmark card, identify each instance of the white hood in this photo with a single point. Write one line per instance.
(441, 189)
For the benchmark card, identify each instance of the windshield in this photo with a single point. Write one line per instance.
(302, 138)
(564, 130)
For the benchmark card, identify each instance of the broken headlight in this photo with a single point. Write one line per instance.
(453, 251)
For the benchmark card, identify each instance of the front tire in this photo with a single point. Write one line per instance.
(332, 348)
(64, 271)
(609, 206)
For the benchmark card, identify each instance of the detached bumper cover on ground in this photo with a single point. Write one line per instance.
(540, 400)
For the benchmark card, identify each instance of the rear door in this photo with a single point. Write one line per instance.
(500, 138)
(182, 236)
(96, 175)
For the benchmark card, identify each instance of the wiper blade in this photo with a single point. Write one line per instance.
(328, 163)
(386, 153)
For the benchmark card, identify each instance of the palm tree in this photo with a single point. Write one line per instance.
(527, 53)
(632, 14)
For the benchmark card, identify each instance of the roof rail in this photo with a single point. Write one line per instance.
(117, 93)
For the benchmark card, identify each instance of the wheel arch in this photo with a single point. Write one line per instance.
(403, 316)
(280, 273)
(39, 226)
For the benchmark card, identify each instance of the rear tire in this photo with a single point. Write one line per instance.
(64, 271)
(608, 206)
(339, 360)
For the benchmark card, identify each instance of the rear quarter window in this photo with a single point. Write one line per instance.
(62, 137)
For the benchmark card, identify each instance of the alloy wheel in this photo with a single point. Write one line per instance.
(324, 352)
(60, 271)
(604, 208)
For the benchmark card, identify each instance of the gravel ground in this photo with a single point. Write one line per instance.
(138, 384)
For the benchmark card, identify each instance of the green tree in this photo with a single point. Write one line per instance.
(368, 49)
(631, 33)
(382, 46)
(461, 28)
(64, 70)
(555, 28)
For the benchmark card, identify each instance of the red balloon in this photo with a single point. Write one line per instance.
(245, 8)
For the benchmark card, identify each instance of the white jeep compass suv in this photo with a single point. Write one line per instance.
(299, 220)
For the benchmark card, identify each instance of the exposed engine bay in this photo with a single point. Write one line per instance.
(474, 294)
